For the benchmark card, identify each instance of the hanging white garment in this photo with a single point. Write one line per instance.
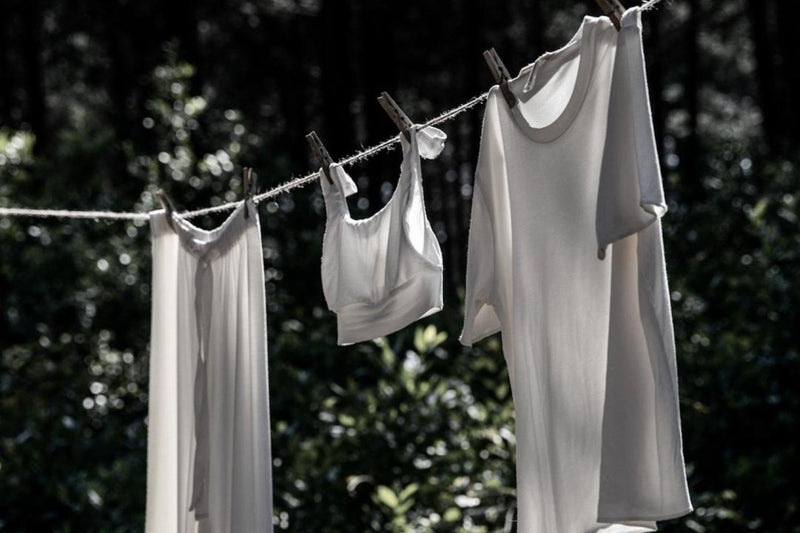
(571, 170)
(382, 273)
(208, 445)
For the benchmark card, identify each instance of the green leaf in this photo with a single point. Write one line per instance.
(403, 508)
(347, 420)
(419, 342)
(428, 338)
(387, 497)
(409, 491)
(387, 354)
(452, 514)
(757, 214)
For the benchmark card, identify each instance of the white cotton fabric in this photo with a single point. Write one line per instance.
(566, 177)
(382, 273)
(208, 443)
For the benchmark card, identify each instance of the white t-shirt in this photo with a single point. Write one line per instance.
(568, 176)
(208, 440)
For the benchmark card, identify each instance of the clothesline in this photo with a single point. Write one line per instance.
(294, 183)
(363, 155)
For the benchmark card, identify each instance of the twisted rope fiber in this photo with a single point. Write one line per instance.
(363, 155)
(63, 213)
(650, 4)
(294, 183)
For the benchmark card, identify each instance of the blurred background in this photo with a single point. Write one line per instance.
(104, 101)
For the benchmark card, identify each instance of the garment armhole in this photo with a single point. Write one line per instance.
(416, 213)
(481, 317)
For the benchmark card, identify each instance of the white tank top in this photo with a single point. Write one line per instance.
(381, 273)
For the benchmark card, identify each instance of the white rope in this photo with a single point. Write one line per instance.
(295, 183)
(63, 213)
(280, 189)
(649, 4)
(363, 155)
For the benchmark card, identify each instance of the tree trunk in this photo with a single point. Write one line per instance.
(181, 16)
(655, 75)
(5, 69)
(787, 13)
(377, 73)
(690, 155)
(337, 80)
(119, 89)
(292, 87)
(769, 102)
(34, 76)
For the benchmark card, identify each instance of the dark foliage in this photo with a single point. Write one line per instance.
(104, 101)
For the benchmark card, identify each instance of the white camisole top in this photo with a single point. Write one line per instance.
(384, 272)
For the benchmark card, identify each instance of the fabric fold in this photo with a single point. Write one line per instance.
(209, 451)
(588, 343)
(381, 273)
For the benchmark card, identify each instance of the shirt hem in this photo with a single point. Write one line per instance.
(373, 328)
(469, 341)
(469, 333)
(621, 519)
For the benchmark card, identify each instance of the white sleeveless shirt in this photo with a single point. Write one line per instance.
(208, 440)
(382, 273)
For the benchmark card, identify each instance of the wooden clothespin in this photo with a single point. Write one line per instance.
(397, 115)
(501, 75)
(250, 185)
(321, 154)
(613, 9)
(168, 207)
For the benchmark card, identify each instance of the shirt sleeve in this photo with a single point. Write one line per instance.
(631, 196)
(481, 300)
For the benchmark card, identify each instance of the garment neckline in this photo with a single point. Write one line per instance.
(200, 241)
(584, 39)
(409, 146)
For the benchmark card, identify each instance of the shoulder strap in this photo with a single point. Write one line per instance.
(336, 193)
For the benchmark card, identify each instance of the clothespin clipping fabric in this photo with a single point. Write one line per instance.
(501, 75)
(321, 154)
(613, 9)
(397, 115)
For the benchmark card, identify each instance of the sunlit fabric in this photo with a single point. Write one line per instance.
(567, 173)
(208, 448)
(384, 272)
